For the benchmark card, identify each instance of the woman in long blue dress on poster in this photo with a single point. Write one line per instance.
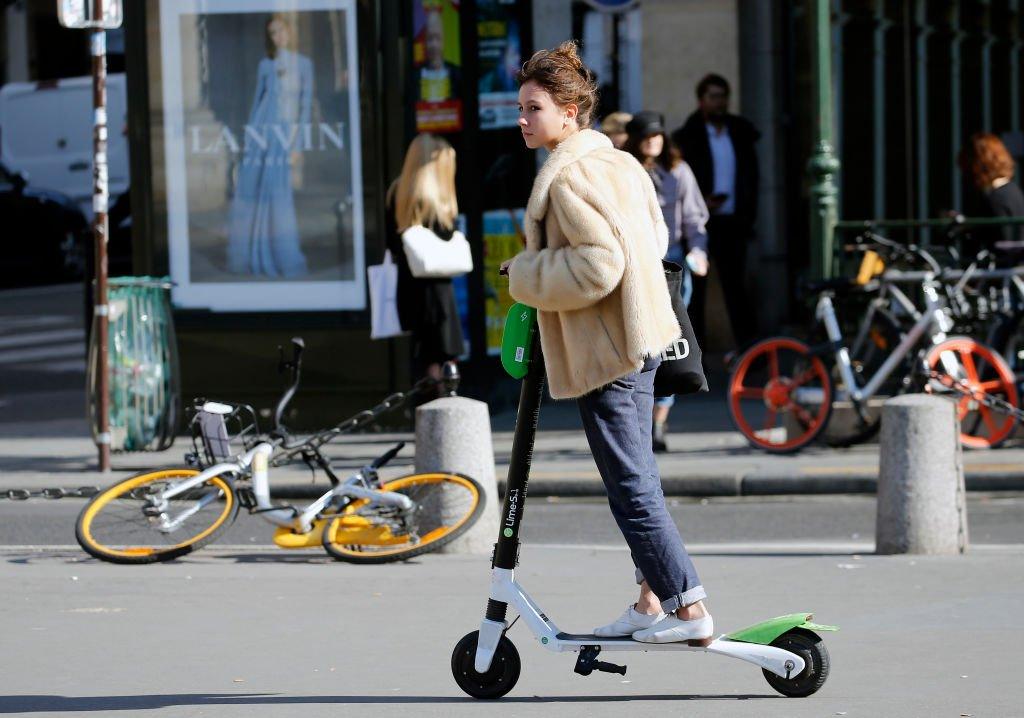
(263, 235)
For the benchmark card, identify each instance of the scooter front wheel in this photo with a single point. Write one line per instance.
(499, 679)
(809, 646)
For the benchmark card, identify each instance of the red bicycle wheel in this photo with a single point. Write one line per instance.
(785, 391)
(980, 370)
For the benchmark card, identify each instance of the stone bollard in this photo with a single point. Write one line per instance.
(922, 506)
(454, 434)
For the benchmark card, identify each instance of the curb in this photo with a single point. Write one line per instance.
(724, 485)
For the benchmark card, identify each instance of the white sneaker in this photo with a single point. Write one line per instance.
(628, 623)
(672, 629)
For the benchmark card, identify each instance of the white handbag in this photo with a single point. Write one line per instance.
(383, 280)
(431, 257)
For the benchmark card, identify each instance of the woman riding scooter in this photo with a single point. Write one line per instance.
(595, 236)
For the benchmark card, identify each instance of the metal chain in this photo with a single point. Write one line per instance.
(82, 492)
(367, 416)
(982, 397)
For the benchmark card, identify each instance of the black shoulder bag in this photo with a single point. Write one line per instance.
(681, 371)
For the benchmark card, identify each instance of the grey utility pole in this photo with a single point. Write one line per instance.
(97, 16)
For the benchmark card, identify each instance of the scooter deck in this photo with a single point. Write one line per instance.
(626, 643)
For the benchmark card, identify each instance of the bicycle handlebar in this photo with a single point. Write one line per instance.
(896, 275)
(887, 246)
(387, 456)
(295, 365)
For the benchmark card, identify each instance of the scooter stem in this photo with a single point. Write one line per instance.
(506, 551)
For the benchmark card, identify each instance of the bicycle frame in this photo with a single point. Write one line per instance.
(934, 317)
(300, 521)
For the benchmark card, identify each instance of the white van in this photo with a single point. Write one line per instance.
(46, 133)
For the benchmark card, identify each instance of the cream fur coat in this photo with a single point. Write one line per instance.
(597, 283)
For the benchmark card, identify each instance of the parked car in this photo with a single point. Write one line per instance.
(46, 132)
(45, 234)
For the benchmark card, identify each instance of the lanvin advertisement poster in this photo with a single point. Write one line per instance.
(264, 183)
(437, 62)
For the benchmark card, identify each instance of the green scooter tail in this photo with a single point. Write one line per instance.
(767, 631)
(517, 339)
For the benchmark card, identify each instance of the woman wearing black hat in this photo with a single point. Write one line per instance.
(685, 214)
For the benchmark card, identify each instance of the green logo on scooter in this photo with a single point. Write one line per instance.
(508, 533)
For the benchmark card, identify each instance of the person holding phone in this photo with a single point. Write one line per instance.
(685, 214)
(719, 147)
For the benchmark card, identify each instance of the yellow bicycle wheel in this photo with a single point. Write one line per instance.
(122, 525)
(444, 507)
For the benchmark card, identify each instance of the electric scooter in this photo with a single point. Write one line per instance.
(486, 664)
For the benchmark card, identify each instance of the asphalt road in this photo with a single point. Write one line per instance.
(991, 520)
(248, 635)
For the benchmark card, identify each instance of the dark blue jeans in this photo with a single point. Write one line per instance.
(617, 420)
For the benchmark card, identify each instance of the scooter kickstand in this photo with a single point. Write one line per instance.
(587, 662)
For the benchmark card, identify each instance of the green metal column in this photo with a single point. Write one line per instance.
(823, 163)
(882, 25)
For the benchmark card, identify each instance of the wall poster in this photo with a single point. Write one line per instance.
(503, 239)
(437, 59)
(262, 144)
(500, 57)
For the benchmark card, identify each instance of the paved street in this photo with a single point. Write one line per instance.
(993, 519)
(242, 628)
(267, 634)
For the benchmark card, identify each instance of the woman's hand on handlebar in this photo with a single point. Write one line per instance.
(503, 270)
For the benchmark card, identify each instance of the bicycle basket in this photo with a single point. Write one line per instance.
(220, 429)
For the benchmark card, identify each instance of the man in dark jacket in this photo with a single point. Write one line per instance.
(719, 147)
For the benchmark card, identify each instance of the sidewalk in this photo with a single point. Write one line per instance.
(707, 458)
(44, 439)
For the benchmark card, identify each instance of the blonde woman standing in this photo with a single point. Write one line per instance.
(424, 194)
(595, 236)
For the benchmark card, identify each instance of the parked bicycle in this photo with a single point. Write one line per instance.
(988, 301)
(164, 514)
(781, 391)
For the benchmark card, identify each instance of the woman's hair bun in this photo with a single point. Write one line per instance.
(570, 51)
(562, 73)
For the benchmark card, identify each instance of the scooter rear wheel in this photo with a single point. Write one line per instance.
(499, 679)
(809, 646)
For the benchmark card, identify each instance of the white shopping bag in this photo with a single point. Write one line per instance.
(383, 279)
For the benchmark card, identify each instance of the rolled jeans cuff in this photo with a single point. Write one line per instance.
(670, 605)
(673, 603)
